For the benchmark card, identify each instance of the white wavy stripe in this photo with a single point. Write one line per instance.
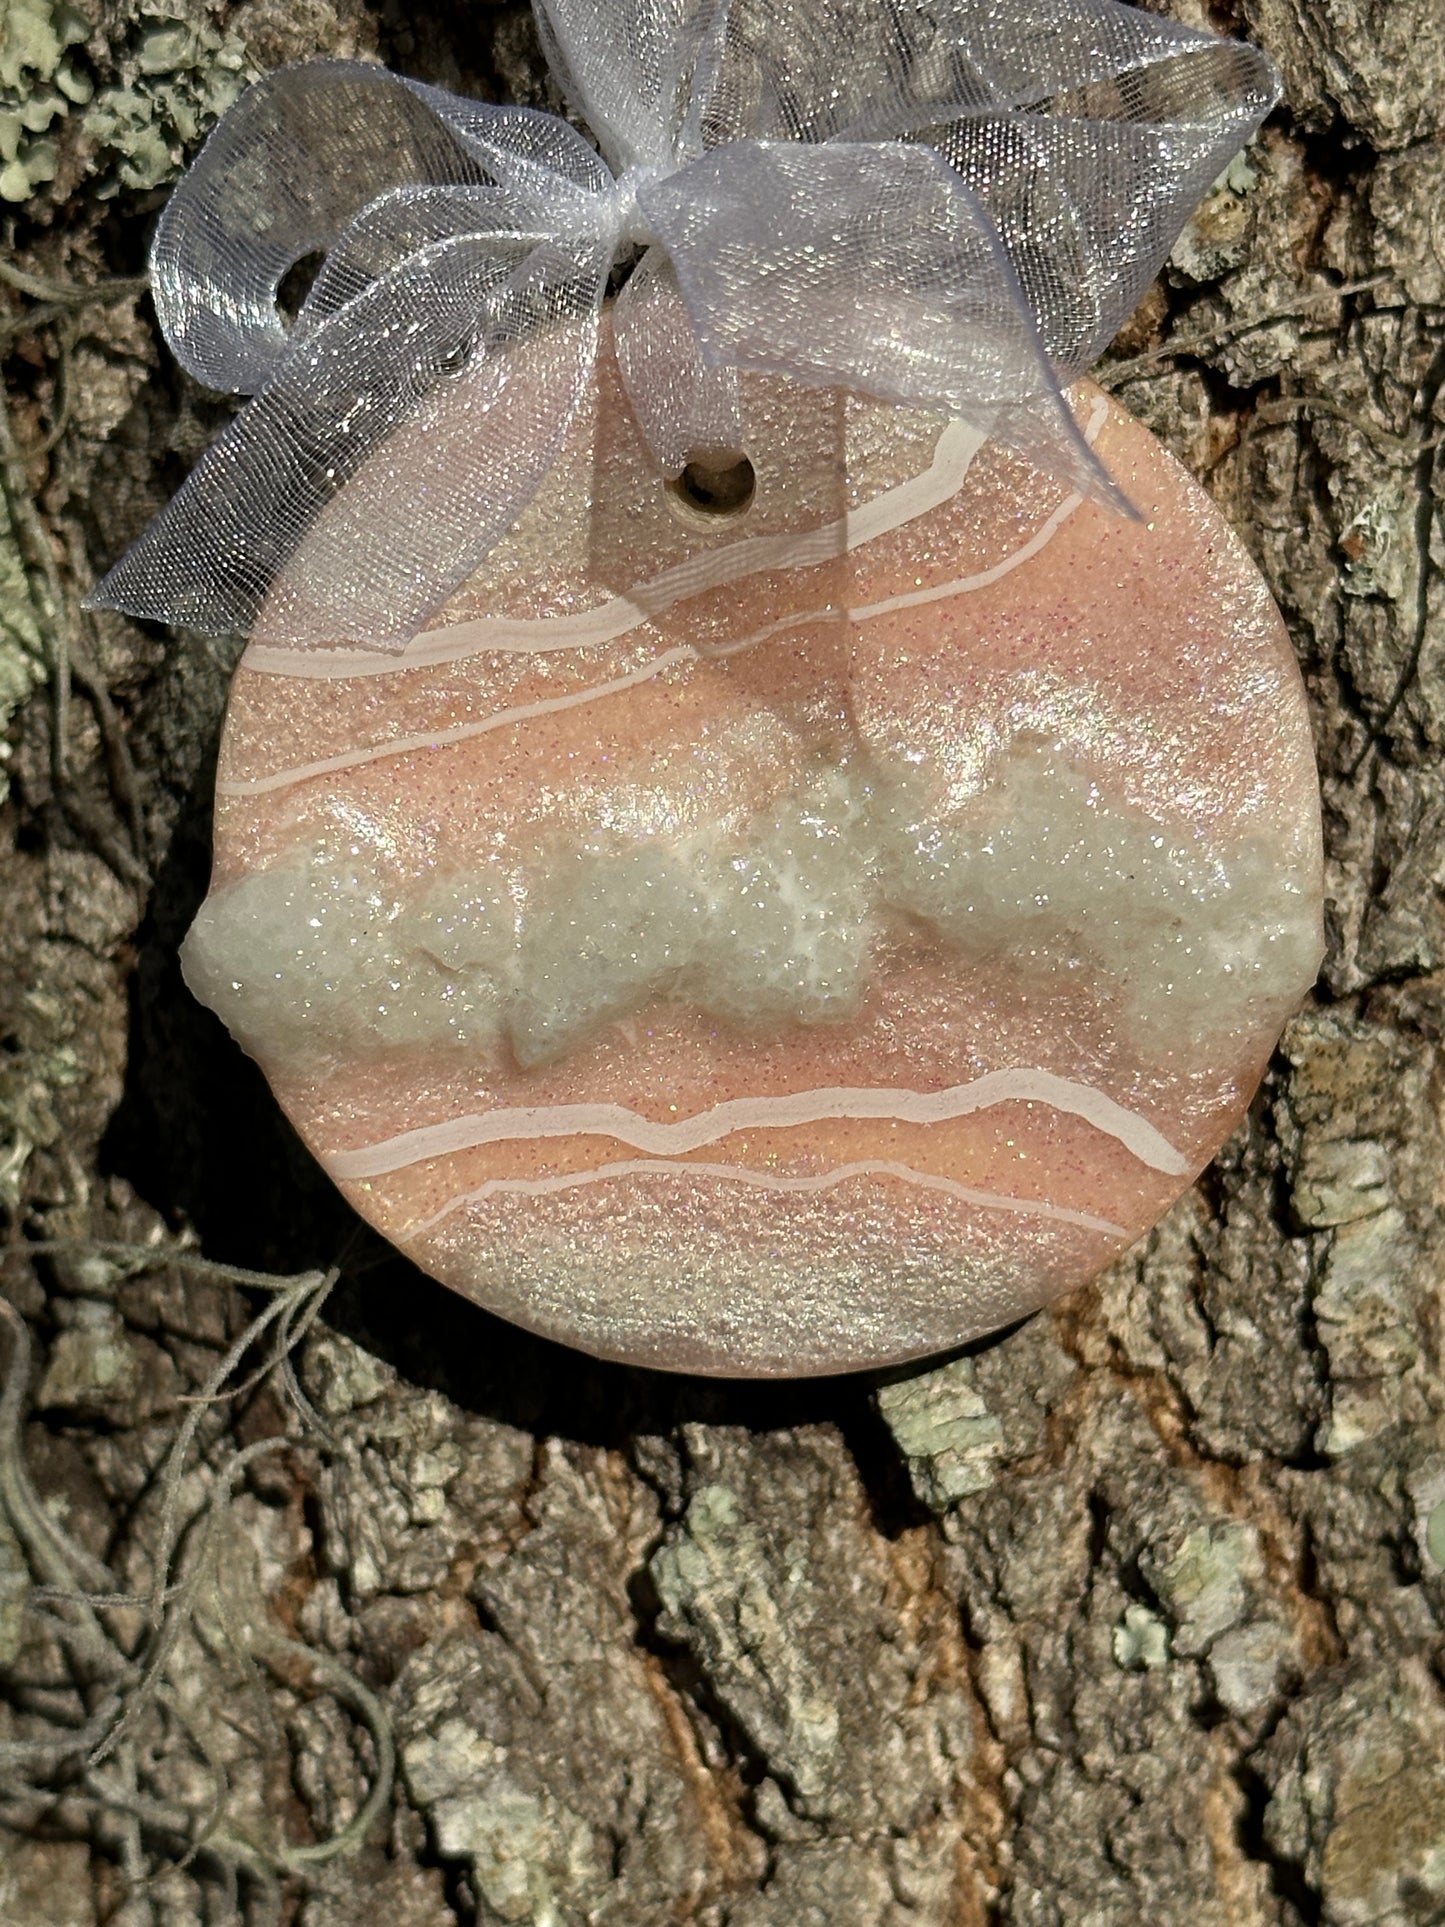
(768, 1181)
(530, 1122)
(712, 569)
(985, 579)
(439, 739)
(684, 652)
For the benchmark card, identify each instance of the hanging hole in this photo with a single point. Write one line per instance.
(295, 285)
(716, 485)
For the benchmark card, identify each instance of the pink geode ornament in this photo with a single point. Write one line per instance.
(732, 847)
(788, 939)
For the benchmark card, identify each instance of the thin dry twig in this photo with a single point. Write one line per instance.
(346, 1687)
(39, 558)
(309, 1283)
(1156, 362)
(119, 763)
(44, 1539)
(59, 616)
(69, 294)
(30, 321)
(61, 399)
(1272, 414)
(153, 1838)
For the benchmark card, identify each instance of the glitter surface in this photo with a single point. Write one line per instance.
(993, 856)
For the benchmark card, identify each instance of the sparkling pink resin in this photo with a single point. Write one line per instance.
(789, 942)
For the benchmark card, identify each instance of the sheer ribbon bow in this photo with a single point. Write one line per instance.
(951, 204)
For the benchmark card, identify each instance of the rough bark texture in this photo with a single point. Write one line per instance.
(1132, 1614)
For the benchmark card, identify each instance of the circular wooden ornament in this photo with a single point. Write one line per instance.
(782, 933)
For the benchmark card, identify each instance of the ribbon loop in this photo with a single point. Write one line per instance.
(298, 156)
(956, 215)
(683, 405)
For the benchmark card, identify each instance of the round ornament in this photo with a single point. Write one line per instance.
(791, 918)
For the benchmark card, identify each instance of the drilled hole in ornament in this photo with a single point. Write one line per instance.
(715, 485)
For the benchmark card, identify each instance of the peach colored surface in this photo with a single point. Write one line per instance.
(979, 1132)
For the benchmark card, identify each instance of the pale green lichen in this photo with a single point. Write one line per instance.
(93, 1366)
(1426, 1487)
(182, 76)
(1141, 1641)
(1245, 1664)
(716, 1581)
(1364, 1317)
(39, 83)
(1204, 1586)
(942, 1425)
(22, 665)
(175, 79)
(524, 1850)
(1216, 238)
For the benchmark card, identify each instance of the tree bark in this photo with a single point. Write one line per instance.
(1132, 1613)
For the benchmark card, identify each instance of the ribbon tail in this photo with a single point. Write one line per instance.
(1061, 193)
(871, 267)
(910, 68)
(683, 406)
(623, 69)
(397, 443)
(1089, 130)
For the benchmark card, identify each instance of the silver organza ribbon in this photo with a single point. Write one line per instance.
(951, 204)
